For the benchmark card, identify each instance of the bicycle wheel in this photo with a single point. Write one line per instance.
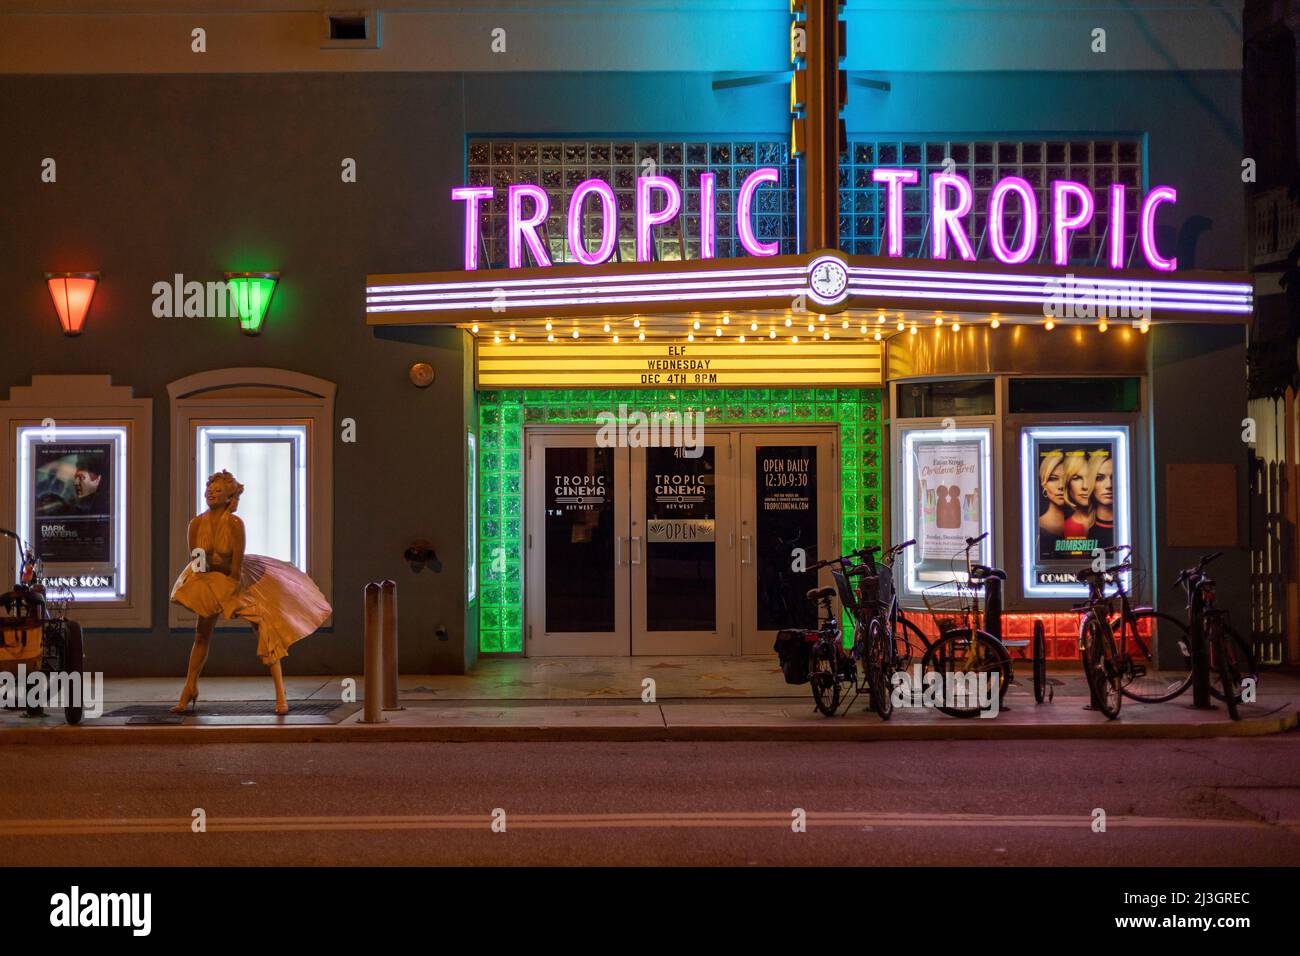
(959, 657)
(1040, 663)
(1240, 656)
(1101, 667)
(74, 661)
(1138, 678)
(1223, 661)
(877, 663)
(824, 677)
(908, 639)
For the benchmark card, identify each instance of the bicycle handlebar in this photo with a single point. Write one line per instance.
(1187, 575)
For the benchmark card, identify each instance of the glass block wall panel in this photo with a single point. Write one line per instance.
(560, 165)
(1095, 163)
(503, 414)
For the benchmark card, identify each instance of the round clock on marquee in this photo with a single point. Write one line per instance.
(828, 280)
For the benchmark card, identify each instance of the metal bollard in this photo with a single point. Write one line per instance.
(388, 616)
(374, 677)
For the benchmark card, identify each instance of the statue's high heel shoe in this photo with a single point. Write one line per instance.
(189, 701)
(282, 708)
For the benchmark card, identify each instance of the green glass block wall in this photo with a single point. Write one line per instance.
(503, 415)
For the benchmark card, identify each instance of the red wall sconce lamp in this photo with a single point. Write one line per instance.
(72, 292)
(252, 293)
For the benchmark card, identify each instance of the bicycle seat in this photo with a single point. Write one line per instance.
(981, 571)
(817, 594)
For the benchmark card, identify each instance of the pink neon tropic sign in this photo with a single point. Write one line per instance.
(708, 216)
(646, 215)
(608, 220)
(744, 219)
(894, 180)
(517, 227)
(1063, 222)
(471, 195)
(1115, 230)
(945, 220)
(1147, 228)
(1028, 219)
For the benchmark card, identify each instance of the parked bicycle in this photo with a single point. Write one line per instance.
(1138, 631)
(822, 657)
(35, 631)
(970, 641)
(1229, 657)
(1103, 667)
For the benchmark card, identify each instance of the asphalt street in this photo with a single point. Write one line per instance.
(1230, 801)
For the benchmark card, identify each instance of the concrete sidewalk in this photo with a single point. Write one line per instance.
(587, 699)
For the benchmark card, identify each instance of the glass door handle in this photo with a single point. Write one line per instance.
(636, 548)
(618, 551)
(748, 542)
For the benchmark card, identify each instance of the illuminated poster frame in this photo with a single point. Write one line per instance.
(30, 439)
(1032, 438)
(920, 573)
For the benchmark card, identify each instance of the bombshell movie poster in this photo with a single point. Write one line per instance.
(1076, 498)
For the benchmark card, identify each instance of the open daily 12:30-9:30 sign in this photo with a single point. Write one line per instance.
(658, 200)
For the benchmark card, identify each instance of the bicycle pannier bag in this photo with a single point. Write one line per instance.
(793, 648)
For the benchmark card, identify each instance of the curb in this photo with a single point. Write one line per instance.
(833, 731)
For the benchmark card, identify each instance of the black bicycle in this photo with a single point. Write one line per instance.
(1229, 656)
(1103, 666)
(35, 628)
(970, 642)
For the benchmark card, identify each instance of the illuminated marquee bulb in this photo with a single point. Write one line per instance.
(512, 335)
(821, 318)
(1049, 325)
(550, 336)
(742, 336)
(615, 338)
(696, 325)
(1144, 325)
(1102, 326)
(771, 333)
(880, 318)
(995, 323)
(863, 329)
(641, 336)
(717, 330)
(690, 336)
(496, 338)
(788, 321)
(636, 323)
(474, 328)
(811, 327)
(826, 334)
(794, 339)
(956, 326)
(575, 333)
(901, 325)
(877, 336)
(844, 324)
(938, 320)
(913, 329)
(606, 328)
(753, 326)
(726, 318)
(548, 325)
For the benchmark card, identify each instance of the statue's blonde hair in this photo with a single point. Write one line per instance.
(227, 478)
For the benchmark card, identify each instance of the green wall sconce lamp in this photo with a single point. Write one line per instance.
(252, 292)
